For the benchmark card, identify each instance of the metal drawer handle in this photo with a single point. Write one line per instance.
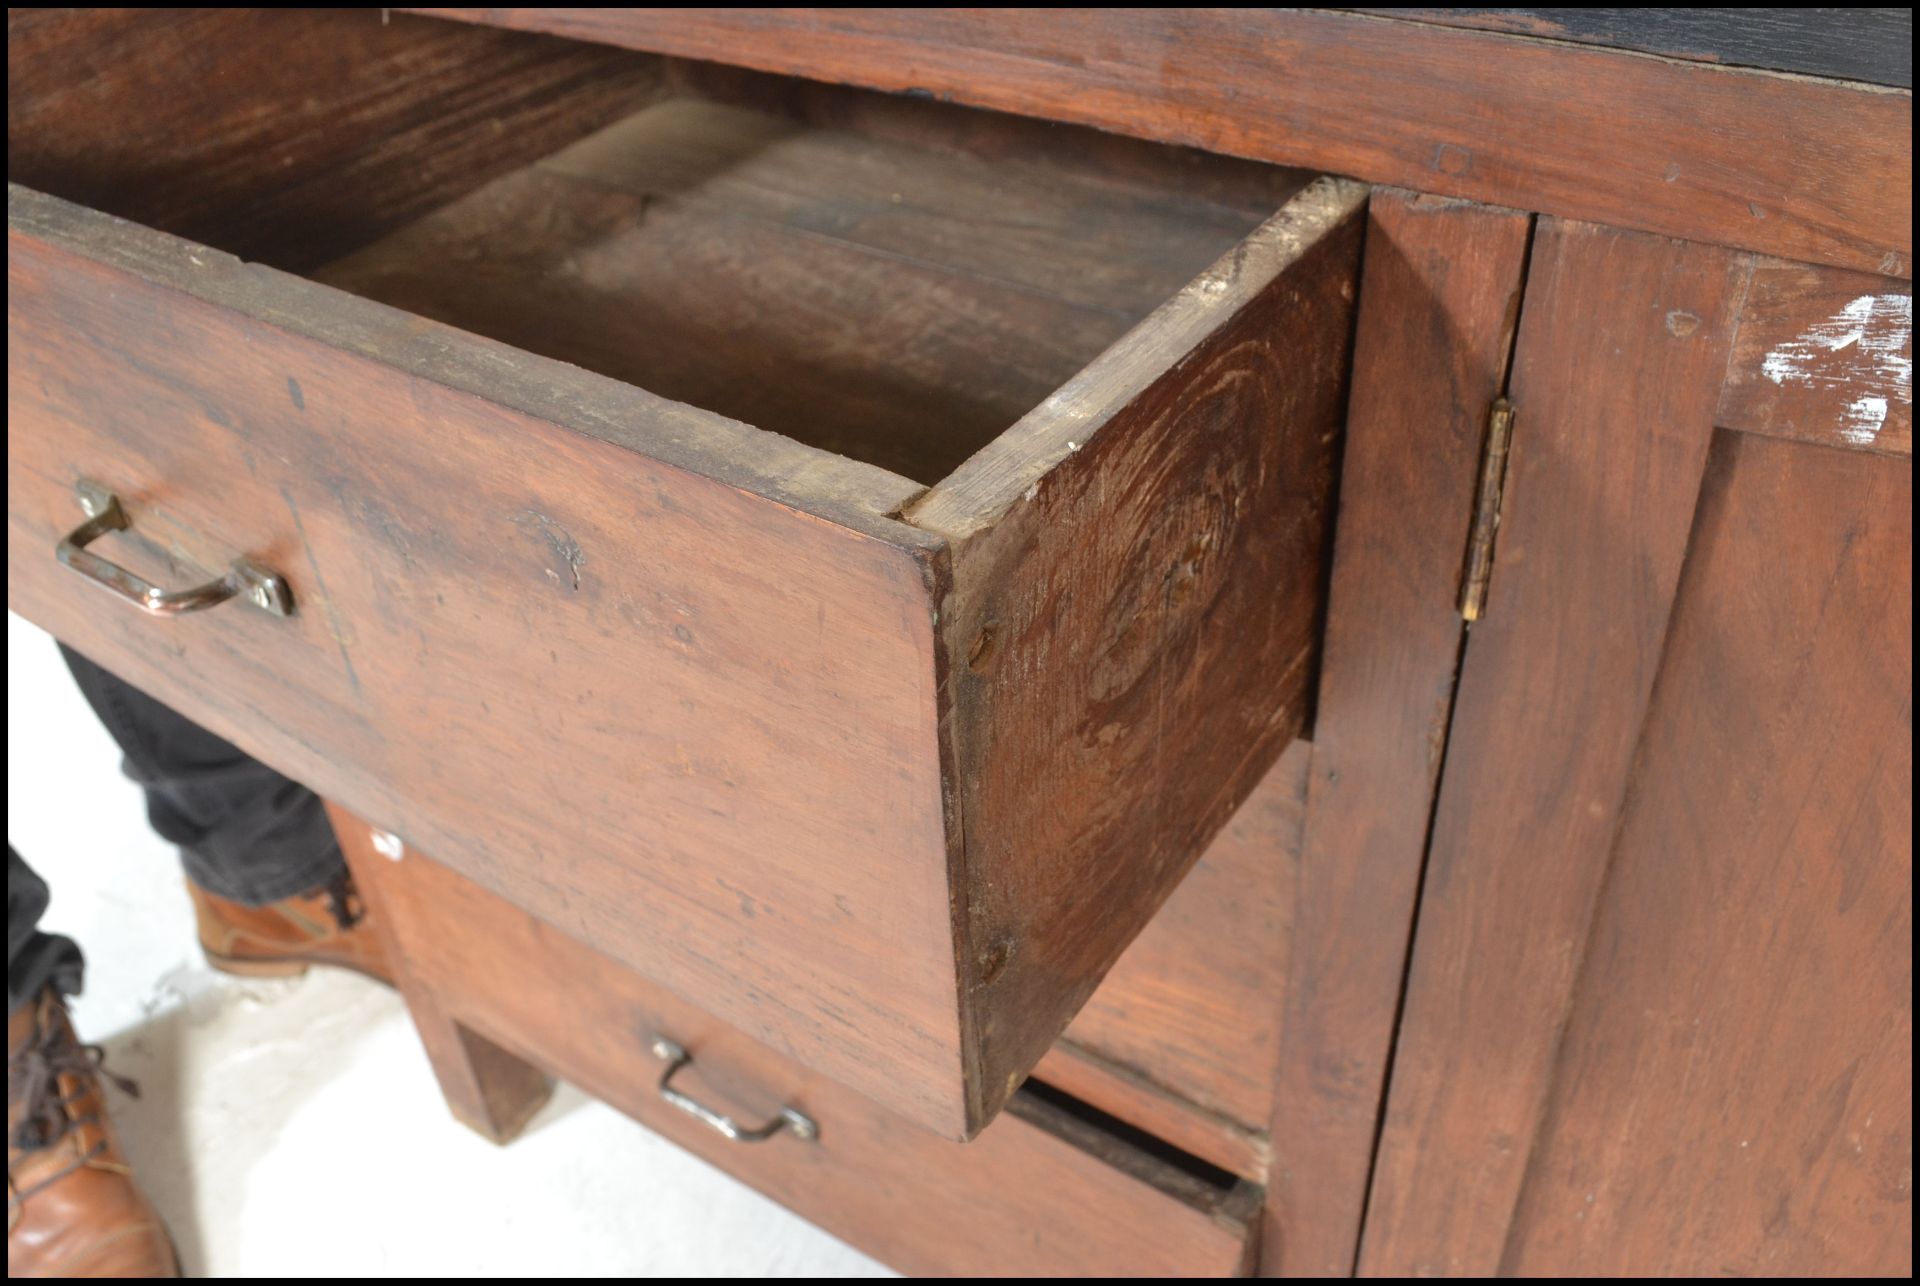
(262, 586)
(676, 1057)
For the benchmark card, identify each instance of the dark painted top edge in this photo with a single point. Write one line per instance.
(1870, 45)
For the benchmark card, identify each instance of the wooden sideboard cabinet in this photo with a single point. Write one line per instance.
(1075, 641)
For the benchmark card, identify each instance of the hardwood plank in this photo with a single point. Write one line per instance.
(520, 639)
(1148, 541)
(1014, 206)
(1438, 302)
(1038, 1193)
(1606, 464)
(1823, 356)
(1807, 170)
(290, 136)
(1014, 145)
(1179, 1039)
(892, 302)
(1874, 45)
(1734, 1096)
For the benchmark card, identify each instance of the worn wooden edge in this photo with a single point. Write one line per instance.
(1002, 474)
(801, 478)
(1873, 46)
(1006, 473)
(1808, 169)
(1229, 1206)
(1138, 1100)
(1061, 455)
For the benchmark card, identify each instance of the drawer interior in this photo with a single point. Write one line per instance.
(894, 280)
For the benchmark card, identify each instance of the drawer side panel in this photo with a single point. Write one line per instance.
(1139, 572)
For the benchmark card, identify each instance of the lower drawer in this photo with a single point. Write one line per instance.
(1049, 1188)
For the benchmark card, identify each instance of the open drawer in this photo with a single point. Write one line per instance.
(842, 557)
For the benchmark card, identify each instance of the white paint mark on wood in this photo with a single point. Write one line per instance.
(1864, 417)
(1869, 341)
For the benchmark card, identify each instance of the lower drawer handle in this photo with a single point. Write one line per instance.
(262, 586)
(676, 1057)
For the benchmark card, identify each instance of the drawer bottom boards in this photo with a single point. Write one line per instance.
(1050, 1188)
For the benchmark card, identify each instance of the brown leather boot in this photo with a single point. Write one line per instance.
(73, 1209)
(280, 940)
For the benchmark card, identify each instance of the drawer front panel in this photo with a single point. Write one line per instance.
(1039, 1192)
(683, 722)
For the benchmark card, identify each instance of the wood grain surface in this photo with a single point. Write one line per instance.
(868, 284)
(1439, 299)
(1179, 1039)
(1134, 617)
(1823, 356)
(517, 637)
(1041, 1192)
(885, 296)
(1734, 1093)
(1607, 459)
(1874, 45)
(1808, 170)
(290, 135)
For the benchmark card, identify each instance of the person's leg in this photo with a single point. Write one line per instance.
(271, 893)
(246, 833)
(73, 1209)
(35, 960)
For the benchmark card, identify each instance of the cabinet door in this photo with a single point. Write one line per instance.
(1658, 1014)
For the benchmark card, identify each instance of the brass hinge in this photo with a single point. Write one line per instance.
(1486, 510)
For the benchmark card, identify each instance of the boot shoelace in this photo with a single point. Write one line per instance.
(33, 1081)
(343, 901)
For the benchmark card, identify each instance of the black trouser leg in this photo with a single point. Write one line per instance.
(35, 960)
(245, 832)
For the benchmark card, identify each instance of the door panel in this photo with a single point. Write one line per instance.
(1659, 1008)
(1734, 1092)
(1609, 444)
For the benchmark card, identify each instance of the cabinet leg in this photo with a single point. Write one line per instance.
(491, 1091)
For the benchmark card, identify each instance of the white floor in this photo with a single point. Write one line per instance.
(292, 1128)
